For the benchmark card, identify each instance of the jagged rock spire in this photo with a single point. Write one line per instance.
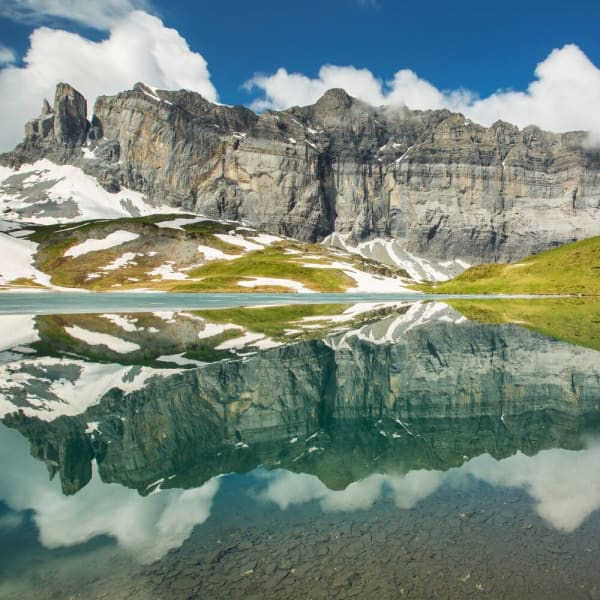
(70, 121)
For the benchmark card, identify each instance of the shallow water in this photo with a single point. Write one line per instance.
(399, 452)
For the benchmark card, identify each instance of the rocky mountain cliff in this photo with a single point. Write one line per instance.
(441, 185)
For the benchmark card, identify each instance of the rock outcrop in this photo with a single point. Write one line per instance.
(58, 133)
(441, 185)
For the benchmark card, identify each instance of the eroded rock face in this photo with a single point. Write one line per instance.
(442, 185)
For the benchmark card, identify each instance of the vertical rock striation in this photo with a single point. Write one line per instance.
(441, 185)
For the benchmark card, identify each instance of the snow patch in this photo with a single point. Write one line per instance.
(274, 281)
(66, 183)
(213, 329)
(177, 223)
(237, 240)
(215, 254)
(116, 238)
(21, 233)
(266, 344)
(17, 330)
(49, 398)
(166, 315)
(392, 328)
(367, 282)
(354, 311)
(124, 322)
(125, 260)
(167, 271)
(266, 239)
(404, 155)
(181, 360)
(240, 342)
(390, 252)
(94, 338)
(18, 256)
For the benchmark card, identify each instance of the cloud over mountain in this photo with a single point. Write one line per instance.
(138, 48)
(563, 95)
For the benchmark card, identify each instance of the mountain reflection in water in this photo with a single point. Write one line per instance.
(407, 402)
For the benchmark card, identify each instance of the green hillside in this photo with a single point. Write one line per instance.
(570, 269)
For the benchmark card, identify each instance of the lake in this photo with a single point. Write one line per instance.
(225, 448)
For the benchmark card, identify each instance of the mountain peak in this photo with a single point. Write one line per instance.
(335, 99)
(65, 91)
(46, 109)
(70, 122)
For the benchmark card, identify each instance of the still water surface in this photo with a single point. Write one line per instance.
(388, 450)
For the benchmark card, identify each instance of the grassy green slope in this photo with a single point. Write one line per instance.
(570, 269)
(271, 262)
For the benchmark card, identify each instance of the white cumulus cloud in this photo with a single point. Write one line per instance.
(563, 95)
(7, 55)
(283, 89)
(138, 48)
(98, 14)
(564, 484)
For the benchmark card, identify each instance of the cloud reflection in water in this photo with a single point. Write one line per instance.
(147, 526)
(564, 484)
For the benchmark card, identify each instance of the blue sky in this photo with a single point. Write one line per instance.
(474, 44)
(442, 54)
(478, 45)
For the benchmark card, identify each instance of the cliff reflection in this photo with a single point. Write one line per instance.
(423, 389)
(413, 402)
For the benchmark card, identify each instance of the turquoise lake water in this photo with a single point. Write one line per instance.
(54, 303)
(390, 450)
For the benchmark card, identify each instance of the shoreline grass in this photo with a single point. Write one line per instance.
(572, 269)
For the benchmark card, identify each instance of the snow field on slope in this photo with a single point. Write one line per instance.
(116, 238)
(17, 260)
(69, 183)
(94, 338)
(68, 397)
(390, 252)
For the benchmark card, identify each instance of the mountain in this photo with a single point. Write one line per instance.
(431, 183)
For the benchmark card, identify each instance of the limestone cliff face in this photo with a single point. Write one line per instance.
(442, 185)
(341, 409)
